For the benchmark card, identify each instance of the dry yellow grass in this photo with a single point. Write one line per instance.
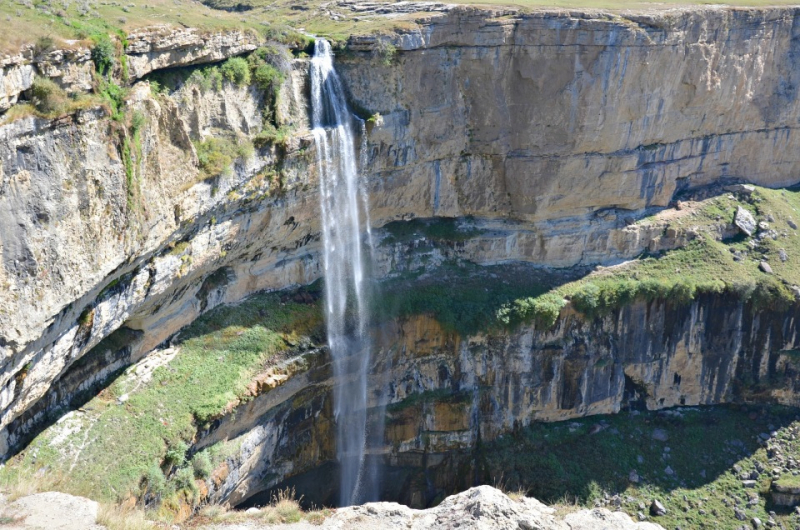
(116, 517)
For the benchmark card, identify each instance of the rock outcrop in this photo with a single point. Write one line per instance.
(550, 116)
(52, 510)
(159, 48)
(481, 508)
(147, 50)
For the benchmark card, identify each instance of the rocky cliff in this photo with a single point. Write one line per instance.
(549, 134)
(436, 394)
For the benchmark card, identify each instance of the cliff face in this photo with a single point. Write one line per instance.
(555, 131)
(556, 118)
(444, 394)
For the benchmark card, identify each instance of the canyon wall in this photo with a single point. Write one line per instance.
(554, 131)
(443, 394)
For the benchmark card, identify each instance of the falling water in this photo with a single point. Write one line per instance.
(343, 202)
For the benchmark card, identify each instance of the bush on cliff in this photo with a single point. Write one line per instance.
(215, 156)
(236, 70)
(49, 98)
(103, 53)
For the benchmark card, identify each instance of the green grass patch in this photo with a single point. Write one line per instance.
(121, 443)
(444, 395)
(706, 266)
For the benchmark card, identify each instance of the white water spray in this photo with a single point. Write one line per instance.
(343, 202)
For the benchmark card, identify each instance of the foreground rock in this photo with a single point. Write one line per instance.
(483, 507)
(51, 510)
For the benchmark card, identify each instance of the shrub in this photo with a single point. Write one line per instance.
(384, 51)
(201, 463)
(184, 480)
(270, 135)
(103, 53)
(48, 98)
(200, 80)
(290, 37)
(267, 77)
(543, 310)
(587, 299)
(138, 119)
(215, 78)
(215, 155)
(176, 454)
(43, 45)
(155, 482)
(274, 55)
(156, 88)
(114, 96)
(236, 70)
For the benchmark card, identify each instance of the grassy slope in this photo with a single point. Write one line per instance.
(112, 445)
(708, 265)
(564, 463)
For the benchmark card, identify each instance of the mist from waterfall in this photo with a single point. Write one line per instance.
(344, 210)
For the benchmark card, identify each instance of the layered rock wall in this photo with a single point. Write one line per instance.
(550, 116)
(442, 394)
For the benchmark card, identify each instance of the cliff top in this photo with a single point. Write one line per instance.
(62, 23)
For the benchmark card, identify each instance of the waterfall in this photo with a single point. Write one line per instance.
(343, 204)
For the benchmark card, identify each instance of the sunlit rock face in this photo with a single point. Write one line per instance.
(547, 116)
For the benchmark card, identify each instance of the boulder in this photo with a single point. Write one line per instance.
(785, 493)
(657, 509)
(55, 511)
(744, 221)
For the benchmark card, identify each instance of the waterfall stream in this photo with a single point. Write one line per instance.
(343, 202)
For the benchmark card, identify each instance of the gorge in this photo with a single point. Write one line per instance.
(554, 225)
